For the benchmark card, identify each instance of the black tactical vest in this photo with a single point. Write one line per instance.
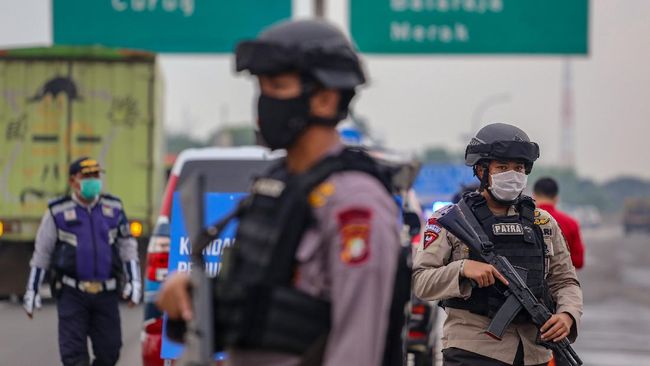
(516, 238)
(256, 305)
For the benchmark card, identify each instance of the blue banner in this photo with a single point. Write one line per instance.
(217, 205)
(440, 182)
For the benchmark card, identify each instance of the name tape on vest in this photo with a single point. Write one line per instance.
(268, 187)
(507, 229)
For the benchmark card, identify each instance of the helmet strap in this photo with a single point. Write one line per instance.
(310, 86)
(485, 179)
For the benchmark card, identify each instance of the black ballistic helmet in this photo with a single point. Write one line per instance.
(312, 47)
(500, 141)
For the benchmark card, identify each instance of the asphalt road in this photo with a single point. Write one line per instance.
(615, 329)
(25, 342)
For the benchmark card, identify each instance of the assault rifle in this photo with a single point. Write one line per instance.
(199, 335)
(461, 222)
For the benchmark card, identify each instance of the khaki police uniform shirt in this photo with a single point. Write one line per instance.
(436, 276)
(350, 258)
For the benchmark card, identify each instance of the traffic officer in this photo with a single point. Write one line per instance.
(313, 281)
(502, 156)
(545, 192)
(85, 239)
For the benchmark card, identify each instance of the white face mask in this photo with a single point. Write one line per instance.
(507, 186)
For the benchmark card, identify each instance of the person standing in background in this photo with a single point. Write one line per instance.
(546, 196)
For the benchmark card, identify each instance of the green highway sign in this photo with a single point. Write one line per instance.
(470, 26)
(213, 26)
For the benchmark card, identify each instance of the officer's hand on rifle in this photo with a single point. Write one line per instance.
(482, 273)
(557, 327)
(174, 297)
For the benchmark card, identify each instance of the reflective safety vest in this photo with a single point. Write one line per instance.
(86, 236)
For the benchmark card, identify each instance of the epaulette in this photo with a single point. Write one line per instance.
(60, 204)
(59, 199)
(110, 200)
(542, 217)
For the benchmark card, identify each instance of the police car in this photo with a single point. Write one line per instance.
(226, 170)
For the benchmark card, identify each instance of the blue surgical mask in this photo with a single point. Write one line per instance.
(90, 188)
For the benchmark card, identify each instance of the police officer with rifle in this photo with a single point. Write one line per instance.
(317, 275)
(500, 265)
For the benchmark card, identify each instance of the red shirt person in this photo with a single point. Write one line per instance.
(546, 196)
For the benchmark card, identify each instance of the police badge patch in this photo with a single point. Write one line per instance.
(108, 211)
(354, 227)
(70, 215)
(431, 232)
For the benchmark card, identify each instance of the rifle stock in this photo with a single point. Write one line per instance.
(199, 338)
(460, 221)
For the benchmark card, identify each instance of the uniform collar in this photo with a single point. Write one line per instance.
(334, 150)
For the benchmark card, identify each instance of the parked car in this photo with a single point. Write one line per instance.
(227, 170)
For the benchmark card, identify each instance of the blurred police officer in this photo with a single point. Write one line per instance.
(315, 286)
(85, 239)
(545, 192)
(502, 156)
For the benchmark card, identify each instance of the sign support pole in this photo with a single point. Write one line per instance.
(319, 9)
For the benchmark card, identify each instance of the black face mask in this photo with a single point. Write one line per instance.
(281, 121)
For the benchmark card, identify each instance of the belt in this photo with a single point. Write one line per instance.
(91, 287)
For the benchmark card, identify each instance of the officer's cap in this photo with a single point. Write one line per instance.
(85, 165)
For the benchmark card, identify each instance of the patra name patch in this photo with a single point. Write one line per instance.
(507, 229)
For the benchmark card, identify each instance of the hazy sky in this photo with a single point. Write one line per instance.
(430, 100)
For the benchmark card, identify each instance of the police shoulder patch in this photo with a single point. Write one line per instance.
(431, 232)
(354, 227)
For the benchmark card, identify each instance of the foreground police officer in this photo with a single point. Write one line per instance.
(311, 277)
(502, 156)
(85, 239)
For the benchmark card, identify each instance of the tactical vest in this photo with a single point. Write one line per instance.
(516, 238)
(85, 247)
(256, 304)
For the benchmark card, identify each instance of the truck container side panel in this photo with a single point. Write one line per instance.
(57, 104)
(112, 124)
(33, 125)
(159, 148)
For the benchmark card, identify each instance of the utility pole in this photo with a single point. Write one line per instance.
(567, 133)
(319, 9)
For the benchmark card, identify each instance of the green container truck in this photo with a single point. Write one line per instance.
(61, 103)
